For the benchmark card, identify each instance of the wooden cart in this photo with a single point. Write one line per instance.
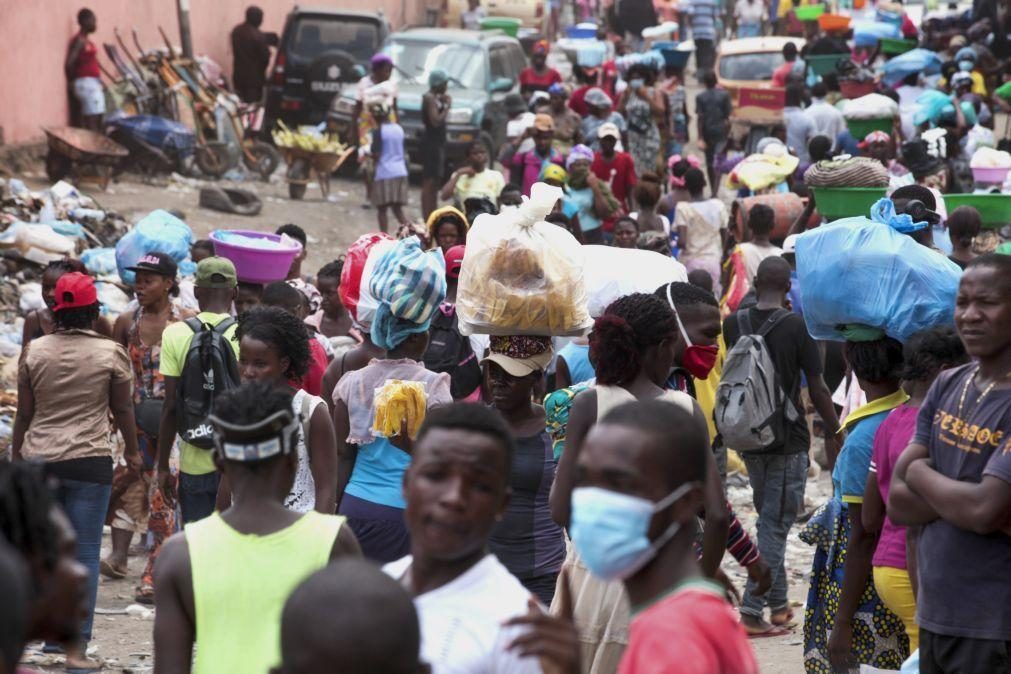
(82, 154)
(304, 164)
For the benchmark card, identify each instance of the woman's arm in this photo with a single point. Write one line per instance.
(856, 571)
(121, 406)
(657, 104)
(905, 506)
(601, 207)
(322, 448)
(562, 377)
(70, 65)
(717, 519)
(581, 418)
(30, 327)
(121, 329)
(346, 452)
(873, 511)
(26, 408)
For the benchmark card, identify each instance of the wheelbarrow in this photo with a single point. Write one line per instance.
(304, 164)
(81, 153)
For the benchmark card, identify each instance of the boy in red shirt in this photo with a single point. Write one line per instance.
(614, 168)
(640, 487)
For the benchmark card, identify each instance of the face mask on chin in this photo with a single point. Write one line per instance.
(698, 360)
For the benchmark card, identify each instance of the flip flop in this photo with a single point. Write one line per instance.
(109, 571)
(144, 595)
(771, 631)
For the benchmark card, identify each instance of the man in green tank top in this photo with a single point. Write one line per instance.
(222, 583)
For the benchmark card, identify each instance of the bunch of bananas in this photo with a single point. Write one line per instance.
(396, 403)
(285, 137)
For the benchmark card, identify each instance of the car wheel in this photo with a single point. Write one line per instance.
(261, 158)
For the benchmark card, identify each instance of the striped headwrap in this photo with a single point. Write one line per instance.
(409, 284)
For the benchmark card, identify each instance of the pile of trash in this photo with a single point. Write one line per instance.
(37, 227)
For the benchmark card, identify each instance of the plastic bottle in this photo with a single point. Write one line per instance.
(88, 214)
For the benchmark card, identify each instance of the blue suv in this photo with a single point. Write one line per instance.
(483, 66)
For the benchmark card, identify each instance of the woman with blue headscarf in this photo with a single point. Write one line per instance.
(409, 283)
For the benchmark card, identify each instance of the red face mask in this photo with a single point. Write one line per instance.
(698, 360)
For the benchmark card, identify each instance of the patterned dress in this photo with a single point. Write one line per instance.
(643, 134)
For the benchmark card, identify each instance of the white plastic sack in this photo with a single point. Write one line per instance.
(521, 275)
(871, 106)
(615, 272)
(986, 157)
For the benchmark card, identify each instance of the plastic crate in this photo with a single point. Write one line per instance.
(847, 202)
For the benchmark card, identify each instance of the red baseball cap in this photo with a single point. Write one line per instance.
(75, 290)
(454, 260)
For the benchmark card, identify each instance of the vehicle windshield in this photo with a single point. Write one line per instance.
(415, 59)
(754, 66)
(315, 35)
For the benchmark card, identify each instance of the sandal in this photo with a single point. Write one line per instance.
(110, 571)
(144, 595)
(769, 631)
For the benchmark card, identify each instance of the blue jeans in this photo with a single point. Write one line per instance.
(85, 504)
(777, 486)
(197, 495)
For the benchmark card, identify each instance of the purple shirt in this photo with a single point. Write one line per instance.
(532, 166)
(893, 436)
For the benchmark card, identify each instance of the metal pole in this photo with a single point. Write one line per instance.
(184, 27)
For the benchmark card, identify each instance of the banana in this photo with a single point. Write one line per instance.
(396, 403)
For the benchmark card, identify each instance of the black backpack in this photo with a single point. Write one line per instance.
(210, 368)
(450, 352)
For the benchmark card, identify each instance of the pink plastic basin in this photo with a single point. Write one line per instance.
(256, 265)
(990, 176)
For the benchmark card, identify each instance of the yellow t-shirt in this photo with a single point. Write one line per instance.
(175, 342)
(488, 183)
(705, 389)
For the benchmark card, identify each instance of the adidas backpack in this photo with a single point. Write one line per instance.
(752, 412)
(210, 368)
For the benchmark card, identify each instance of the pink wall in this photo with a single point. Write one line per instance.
(36, 35)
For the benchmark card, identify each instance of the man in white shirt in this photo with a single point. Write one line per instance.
(475, 616)
(827, 119)
(799, 127)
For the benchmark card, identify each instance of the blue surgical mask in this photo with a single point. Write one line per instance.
(636, 83)
(611, 530)
(966, 66)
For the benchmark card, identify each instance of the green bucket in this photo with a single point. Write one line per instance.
(506, 24)
(823, 64)
(846, 202)
(859, 128)
(994, 209)
(809, 12)
(894, 46)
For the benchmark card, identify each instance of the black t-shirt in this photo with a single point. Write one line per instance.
(713, 107)
(792, 350)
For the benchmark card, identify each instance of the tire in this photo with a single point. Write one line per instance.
(327, 74)
(265, 158)
(212, 159)
(299, 170)
(58, 166)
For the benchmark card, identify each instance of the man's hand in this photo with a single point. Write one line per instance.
(466, 171)
(840, 642)
(591, 180)
(761, 575)
(551, 638)
(167, 485)
(134, 461)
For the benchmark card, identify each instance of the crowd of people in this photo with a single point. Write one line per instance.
(562, 507)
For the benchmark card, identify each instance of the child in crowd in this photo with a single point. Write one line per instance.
(389, 191)
(250, 295)
(293, 231)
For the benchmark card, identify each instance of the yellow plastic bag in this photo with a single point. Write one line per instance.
(523, 276)
(397, 402)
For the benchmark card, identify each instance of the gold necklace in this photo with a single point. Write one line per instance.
(979, 398)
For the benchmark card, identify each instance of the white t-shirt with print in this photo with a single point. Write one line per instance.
(461, 622)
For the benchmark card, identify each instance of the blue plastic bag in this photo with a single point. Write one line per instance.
(915, 61)
(859, 271)
(157, 231)
(933, 105)
(165, 134)
(869, 33)
(100, 261)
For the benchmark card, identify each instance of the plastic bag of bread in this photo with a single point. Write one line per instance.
(396, 403)
(521, 275)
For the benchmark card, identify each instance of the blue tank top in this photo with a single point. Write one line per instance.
(390, 163)
(577, 359)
